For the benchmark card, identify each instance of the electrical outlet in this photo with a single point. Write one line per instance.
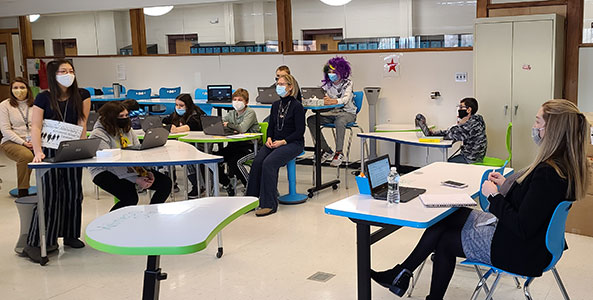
(461, 77)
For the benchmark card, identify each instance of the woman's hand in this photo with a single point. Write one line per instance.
(145, 182)
(28, 145)
(329, 101)
(488, 188)
(269, 143)
(279, 143)
(497, 178)
(38, 157)
(225, 124)
(173, 129)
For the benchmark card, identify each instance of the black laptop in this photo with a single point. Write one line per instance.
(220, 93)
(267, 95)
(212, 125)
(377, 170)
(312, 92)
(420, 121)
(74, 150)
(154, 137)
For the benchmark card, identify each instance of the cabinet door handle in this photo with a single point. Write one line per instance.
(516, 109)
(506, 108)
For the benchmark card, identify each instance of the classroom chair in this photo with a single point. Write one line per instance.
(139, 94)
(108, 90)
(358, 99)
(168, 108)
(555, 244)
(497, 162)
(91, 90)
(201, 94)
(169, 93)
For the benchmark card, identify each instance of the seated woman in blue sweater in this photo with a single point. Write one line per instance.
(285, 141)
(512, 235)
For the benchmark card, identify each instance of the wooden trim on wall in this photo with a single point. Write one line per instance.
(528, 4)
(586, 45)
(574, 37)
(482, 8)
(284, 17)
(138, 32)
(26, 42)
(10, 30)
(381, 51)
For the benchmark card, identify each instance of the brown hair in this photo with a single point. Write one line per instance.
(55, 91)
(293, 84)
(284, 68)
(243, 93)
(13, 100)
(190, 110)
(108, 114)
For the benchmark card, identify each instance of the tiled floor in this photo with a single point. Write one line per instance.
(265, 258)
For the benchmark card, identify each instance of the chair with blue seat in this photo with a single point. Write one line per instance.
(555, 244)
(168, 108)
(139, 94)
(107, 90)
(497, 162)
(90, 90)
(169, 93)
(358, 99)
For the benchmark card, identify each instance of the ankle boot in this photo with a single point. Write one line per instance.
(396, 280)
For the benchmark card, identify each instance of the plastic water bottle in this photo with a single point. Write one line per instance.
(393, 186)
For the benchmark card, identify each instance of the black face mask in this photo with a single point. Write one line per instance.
(462, 113)
(123, 122)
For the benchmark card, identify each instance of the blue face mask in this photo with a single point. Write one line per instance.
(333, 77)
(281, 90)
(180, 111)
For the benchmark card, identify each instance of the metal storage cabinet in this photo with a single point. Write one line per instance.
(518, 65)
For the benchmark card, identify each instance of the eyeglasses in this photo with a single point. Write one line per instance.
(64, 72)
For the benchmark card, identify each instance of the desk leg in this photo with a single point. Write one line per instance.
(41, 215)
(318, 185)
(186, 182)
(363, 260)
(362, 141)
(207, 173)
(171, 175)
(398, 153)
(216, 194)
(152, 278)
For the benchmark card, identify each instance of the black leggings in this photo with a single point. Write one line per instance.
(444, 239)
(125, 190)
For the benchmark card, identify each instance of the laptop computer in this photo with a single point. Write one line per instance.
(420, 121)
(154, 137)
(220, 93)
(91, 120)
(74, 150)
(151, 122)
(267, 95)
(312, 92)
(212, 125)
(377, 170)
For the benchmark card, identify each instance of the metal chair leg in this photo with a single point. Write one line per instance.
(415, 279)
(96, 192)
(517, 283)
(485, 286)
(348, 157)
(494, 285)
(560, 284)
(480, 284)
(526, 288)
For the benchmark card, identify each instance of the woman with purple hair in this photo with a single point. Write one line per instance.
(338, 90)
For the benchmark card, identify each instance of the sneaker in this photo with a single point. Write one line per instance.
(193, 194)
(396, 280)
(230, 190)
(264, 211)
(73, 242)
(337, 161)
(176, 188)
(326, 156)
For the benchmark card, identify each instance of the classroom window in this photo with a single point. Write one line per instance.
(588, 22)
(222, 27)
(82, 33)
(382, 24)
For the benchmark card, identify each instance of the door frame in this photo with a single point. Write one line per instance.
(6, 38)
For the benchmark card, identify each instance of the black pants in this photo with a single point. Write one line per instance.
(444, 239)
(125, 190)
(231, 153)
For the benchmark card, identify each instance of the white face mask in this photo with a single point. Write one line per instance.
(65, 80)
(238, 105)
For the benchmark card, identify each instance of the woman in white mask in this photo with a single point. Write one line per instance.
(62, 193)
(15, 122)
(241, 119)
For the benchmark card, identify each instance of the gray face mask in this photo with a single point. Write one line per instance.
(535, 135)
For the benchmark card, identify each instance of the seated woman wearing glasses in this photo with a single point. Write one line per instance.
(512, 235)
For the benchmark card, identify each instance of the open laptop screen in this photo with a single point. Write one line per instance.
(220, 93)
(377, 171)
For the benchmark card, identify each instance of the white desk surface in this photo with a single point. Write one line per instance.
(201, 137)
(140, 134)
(407, 138)
(398, 127)
(168, 228)
(172, 153)
(413, 213)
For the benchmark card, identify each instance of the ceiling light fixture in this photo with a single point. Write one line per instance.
(157, 10)
(336, 2)
(34, 17)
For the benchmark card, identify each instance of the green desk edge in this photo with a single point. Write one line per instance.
(170, 250)
(221, 140)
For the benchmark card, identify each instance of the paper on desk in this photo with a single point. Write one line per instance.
(240, 136)
(447, 200)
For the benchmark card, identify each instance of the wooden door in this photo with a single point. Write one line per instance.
(183, 46)
(6, 65)
(493, 50)
(39, 48)
(533, 52)
(326, 42)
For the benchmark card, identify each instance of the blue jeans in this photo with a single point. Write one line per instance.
(459, 158)
(263, 177)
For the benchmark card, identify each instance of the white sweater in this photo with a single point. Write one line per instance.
(12, 124)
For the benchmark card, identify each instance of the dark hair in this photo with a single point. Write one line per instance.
(55, 91)
(13, 100)
(131, 104)
(284, 68)
(108, 114)
(190, 109)
(471, 103)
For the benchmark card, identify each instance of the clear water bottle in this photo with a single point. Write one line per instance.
(393, 186)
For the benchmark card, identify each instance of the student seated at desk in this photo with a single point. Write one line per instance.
(285, 141)
(512, 235)
(114, 130)
(186, 118)
(242, 119)
(338, 90)
(135, 112)
(471, 130)
(285, 70)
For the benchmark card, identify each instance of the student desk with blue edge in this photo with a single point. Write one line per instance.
(164, 229)
(171, 154)
(365, 211)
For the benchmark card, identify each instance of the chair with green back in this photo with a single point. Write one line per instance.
(497, 162)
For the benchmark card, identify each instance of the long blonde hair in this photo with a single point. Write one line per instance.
(563, 145)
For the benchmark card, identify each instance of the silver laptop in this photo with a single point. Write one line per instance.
(154, 137)
(151, 122)
(377, 170)
(74, 150)
(267, 95)
(213, 126)
(312, 92)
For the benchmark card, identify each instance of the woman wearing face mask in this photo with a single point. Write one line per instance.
(285, 141)
(114, 130)
(338, 90)
(63, 102)
(517, 220)
(242, 120)
(15, 122)
(186, 118)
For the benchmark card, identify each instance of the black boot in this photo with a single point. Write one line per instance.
(23, 193)
(193, 178)
(396, 280)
